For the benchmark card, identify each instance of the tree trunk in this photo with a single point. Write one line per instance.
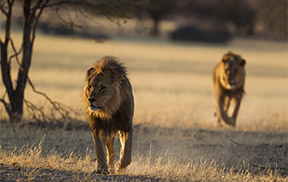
(17, 101)
(155, 30)
(16, 96)
(5, 65)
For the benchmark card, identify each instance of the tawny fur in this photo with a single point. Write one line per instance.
(109, 110)
(228, 86)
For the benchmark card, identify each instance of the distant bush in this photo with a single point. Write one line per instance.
(193, 33)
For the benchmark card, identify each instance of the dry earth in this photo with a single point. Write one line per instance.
(261, 152)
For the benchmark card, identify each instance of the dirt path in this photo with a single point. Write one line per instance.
(232, 147)
(261, 151)
(14, 173)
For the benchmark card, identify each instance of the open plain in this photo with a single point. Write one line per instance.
(175, 133)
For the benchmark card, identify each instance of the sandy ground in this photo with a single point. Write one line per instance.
(175, 148)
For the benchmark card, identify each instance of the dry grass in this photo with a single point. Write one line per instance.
(159, 154)
(176, 137)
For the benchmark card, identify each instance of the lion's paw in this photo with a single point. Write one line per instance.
(101, 171)
(120, 171)
(233, 123)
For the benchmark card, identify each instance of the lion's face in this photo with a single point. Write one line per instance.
(232, 73)
(99, 91)
(102, 92)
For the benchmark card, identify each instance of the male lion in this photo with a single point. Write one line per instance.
(228, 86)
(109, 105)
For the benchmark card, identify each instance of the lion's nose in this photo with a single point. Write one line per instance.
(91, 100)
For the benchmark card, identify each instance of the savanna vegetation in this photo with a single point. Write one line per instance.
(176, 137)
(175, 132)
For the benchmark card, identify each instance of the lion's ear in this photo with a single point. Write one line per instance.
(90, 71)
(117, 76)
(242, 62)
(225, 59)
(117, 72)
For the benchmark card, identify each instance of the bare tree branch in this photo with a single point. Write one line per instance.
(10, 3)
(37, 18)
(68, 2)
(71, 23)
(56, 4)
(61, 109)
(83, 13)
(37, 112)
(5, 66)
(37, 5)
(3, 11)
(8, 21)
(7, 106)
(34, 111)
(54, 104)
(32, 13)
(15, 53)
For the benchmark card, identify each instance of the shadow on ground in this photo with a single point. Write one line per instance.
(17, 173)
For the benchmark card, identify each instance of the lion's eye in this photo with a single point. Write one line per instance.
(89, 87)
(102, 89)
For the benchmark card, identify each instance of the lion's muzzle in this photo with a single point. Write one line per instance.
(231, 83)
(92, 106)
(91, 100)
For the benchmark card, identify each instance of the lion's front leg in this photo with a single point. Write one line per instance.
(99, 144)
(125, 151)
(110, 153)
(227, 101)
(236, 108)
(221, 113)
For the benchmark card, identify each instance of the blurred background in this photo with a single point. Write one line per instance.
(183, 20)
(170, 48)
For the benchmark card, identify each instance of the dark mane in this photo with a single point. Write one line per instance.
(113, 65)
(119, 110)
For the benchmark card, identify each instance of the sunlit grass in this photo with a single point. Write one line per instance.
(31, 162)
